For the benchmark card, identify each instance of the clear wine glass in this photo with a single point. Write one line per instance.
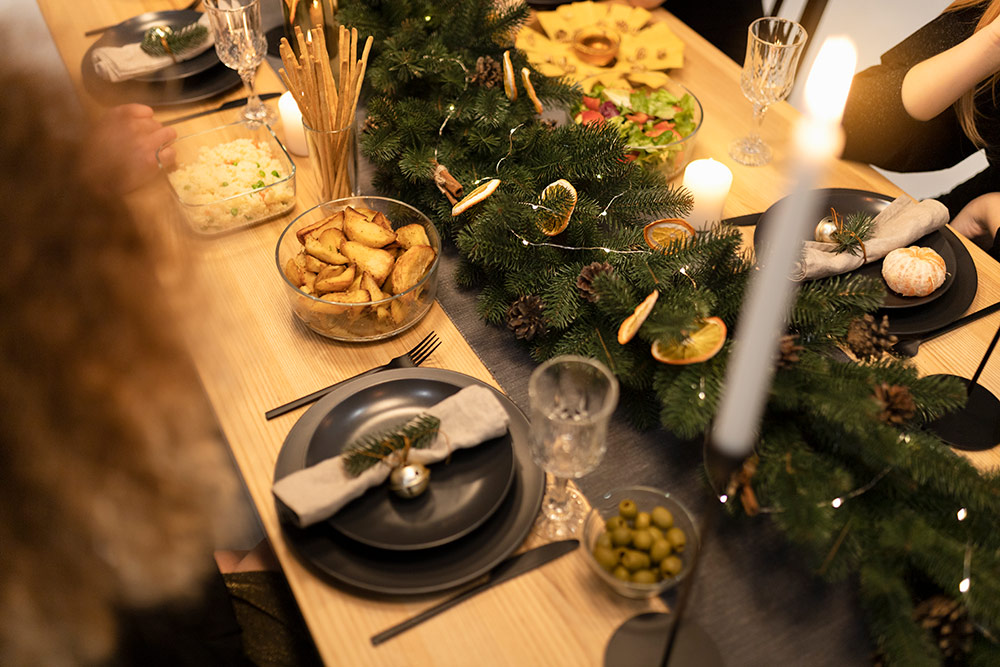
(241, 45)
(572, 399)
(774, 46)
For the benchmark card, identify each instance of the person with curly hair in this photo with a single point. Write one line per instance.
(115, 486)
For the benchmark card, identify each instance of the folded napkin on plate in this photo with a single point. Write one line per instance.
(900, 224)
(119, 63)
(468, 418)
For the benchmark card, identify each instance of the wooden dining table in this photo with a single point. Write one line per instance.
(252, 355)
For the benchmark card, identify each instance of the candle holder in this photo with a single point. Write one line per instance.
(596, 46)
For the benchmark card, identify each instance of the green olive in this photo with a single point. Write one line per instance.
(677, 538)
(656, 533)
(605, 557)
(621, 536)
(662, 518)
(670, 566)
(620, 553)
(603, 540)
(641, 539)
(642, 520)
(636, 560)
(643, 577)
(621, 572)
(661, 549)
(615, 522)
(627, 509)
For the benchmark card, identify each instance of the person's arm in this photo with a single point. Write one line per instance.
(120, 153)
(935, 84)
(979, 221)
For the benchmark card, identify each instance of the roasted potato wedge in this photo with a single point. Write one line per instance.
(335, 221)
(335, 278)
(411, 235)
(410, 267)
(326, 246)
(310, 263)
(375, 261)
(363, 231)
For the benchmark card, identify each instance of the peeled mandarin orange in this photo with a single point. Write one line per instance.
(914, 271)
(560, 193)
(699, 345)
(476, 196)
(509, 83)
(661, 233)
(631, 324)
(530, 89)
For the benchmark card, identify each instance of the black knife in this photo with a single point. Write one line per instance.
(909, 346)
(747, 220)
(231, 104)
(505, 571)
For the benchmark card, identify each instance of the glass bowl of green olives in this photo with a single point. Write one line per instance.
(641, 541)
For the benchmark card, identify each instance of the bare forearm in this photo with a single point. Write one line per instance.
(933, 85)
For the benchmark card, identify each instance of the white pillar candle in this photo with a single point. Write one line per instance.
(291, 121)
(709, 182)
(770, 294)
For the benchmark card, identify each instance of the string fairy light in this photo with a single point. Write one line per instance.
(510, 151)
(544, 244)
(836, 503)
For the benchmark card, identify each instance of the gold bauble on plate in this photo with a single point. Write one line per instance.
(825, 229)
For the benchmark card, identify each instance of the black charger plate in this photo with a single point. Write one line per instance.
(196, 79)
(394, 572)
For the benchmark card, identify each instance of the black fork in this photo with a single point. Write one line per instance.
(417, 355)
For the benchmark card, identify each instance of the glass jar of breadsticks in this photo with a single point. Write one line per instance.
(328, 108)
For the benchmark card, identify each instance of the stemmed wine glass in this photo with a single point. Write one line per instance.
(774, 46)
(241, 45)
(572, 399)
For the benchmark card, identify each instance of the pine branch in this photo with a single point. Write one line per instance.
(369, 450)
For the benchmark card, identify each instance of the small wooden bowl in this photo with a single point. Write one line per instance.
(596, 46)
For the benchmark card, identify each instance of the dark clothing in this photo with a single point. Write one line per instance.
(880, 132)
(724, 23)
(242, 619)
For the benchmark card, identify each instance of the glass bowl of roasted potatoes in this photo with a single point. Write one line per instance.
(640, 541)
(360, 268)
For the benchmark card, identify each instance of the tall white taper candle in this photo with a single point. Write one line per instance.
(770, 294)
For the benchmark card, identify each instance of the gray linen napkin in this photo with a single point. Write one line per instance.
(119, 63)
(899, 225)
(468, 418)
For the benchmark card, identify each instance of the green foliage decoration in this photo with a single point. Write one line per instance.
(858, 483)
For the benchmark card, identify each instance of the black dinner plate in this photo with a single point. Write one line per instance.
(463, 493)
(395, 572)
(192, 80)
(847, 202)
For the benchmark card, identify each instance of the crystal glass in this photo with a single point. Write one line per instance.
(241, 45)
(572, 399)
(774, 46)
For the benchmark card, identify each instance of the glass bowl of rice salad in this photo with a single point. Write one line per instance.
(230, 177)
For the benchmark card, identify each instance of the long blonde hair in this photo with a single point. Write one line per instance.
(114, 486)
(965, 106)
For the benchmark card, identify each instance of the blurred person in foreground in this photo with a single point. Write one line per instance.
(932, 102)
(114, 484)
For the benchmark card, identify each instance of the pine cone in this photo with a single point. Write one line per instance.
(526, 317)
(948, 622)
(897, 403)
(789, 351)
(585, 281)
(547, 123)
(371, 124)
(867, 339)
(488, 74)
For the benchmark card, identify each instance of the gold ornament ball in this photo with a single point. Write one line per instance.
(825, 229)
(409, 481)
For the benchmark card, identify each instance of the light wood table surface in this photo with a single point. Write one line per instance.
(253, 355)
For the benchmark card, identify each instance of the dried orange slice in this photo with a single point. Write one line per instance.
(509, 83)
(661, 233)
(631, 324)
(530, 89)
(474, 197)
(699, 345)
(553, 221)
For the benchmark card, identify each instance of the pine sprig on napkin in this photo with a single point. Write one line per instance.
(368, 450)
(856, 228)
(166, 41)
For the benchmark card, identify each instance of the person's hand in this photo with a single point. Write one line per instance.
(120, 153)
(980, 219)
